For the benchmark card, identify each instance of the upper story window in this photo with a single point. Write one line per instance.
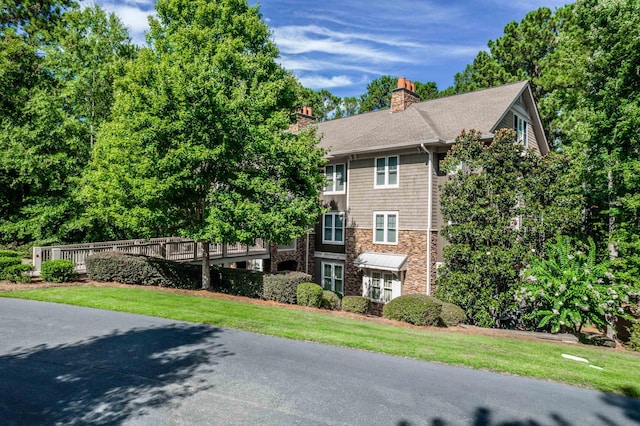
(333, 228)
(385, 227)
(335, 179)
(520, 126)
(386, 172)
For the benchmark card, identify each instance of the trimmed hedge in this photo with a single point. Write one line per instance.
(356, 304)
(238, 282)
(6, 262)
(58, 271)
(309, 294)
(451, 315)
(634, 337)
(330, 300)
(417, 309)
(130, 268)
(9, 253)
(283, 286)
(17, 273)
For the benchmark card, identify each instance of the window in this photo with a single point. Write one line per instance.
(333, 277)
(381, 286)
(385, 227)
(335, 179)
(439, 158)
(333, 228)
(386, 172)
(520, 126)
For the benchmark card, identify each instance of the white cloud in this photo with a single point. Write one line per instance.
(321, 82)
(308, 64)
(132, 17)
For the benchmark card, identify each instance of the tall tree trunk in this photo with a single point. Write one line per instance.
(206, 266)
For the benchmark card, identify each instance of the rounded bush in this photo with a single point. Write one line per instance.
(356, 304)
(330, 300)
(58, 271)
(309, 294)
(634, 338)
(417, 309)
(283, 286)
(17, 273)
(452, 315)
(6, 262)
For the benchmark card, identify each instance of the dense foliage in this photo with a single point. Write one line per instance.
(58, 271)
(283, 286)
(569, 288)
(416, 309)
(309, 294)
(501, 202)
(331, 300)
(356, 304)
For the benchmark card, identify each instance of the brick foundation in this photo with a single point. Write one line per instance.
(411, 243)
(298, 255)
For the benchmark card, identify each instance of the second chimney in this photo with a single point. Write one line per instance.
(404, 96)
(304, 118)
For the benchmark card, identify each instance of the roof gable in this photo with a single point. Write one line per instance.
(433, 121)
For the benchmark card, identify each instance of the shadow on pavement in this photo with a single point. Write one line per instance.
(630, 407)
(106, 379)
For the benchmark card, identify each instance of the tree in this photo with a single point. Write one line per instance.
(61, 94)
(197, 144)
(498, 210)
(378, 94)
(325, 105)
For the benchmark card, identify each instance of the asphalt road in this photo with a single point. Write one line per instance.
(69, 365)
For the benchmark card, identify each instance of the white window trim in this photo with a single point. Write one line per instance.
(386, 227)
(333, 273)
(386, 173)
(334, 178)
(517, 118)
(333, 228)
(394, 285)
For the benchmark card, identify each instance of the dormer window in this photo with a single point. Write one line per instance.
(520, 126)
(335, 179)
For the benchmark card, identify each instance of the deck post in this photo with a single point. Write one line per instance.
(37, 259)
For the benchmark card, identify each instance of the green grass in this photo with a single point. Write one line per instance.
(542, 360)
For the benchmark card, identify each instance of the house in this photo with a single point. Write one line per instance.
(381, 236)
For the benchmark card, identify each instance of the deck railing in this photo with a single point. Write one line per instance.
(177, 249)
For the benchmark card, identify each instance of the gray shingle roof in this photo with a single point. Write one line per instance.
(433, 121)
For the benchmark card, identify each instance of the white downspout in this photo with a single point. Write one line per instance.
(429, 216)
(306, 256)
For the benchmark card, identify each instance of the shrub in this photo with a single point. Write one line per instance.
(238, 282)
(634, 339)
(417, 309)
(9, 253)
(451, 315)
(570, 288)
(6, 262)
(356, 304)
(138, 269)
(309, 294)
(330, 300)
(282, 286)
(58, 271)
(17, 273)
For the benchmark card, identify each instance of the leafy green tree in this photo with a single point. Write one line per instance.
(349, 106)
(197, 144)
(325, 105)
(46, 141)
(378, 95)
(498, 208)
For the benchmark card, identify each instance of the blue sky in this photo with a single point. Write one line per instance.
(343, 45)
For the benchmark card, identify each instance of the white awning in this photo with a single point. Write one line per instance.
(382, 261)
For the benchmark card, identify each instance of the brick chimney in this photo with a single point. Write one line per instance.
(404, 95)
(304, 118)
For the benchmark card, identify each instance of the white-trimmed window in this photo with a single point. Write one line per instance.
(381, 289)
(386, 172)
(335, 179)
(520, 126)
(333, 228)
(385, 227)
(333, 277)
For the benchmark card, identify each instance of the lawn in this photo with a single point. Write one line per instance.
(620, 372)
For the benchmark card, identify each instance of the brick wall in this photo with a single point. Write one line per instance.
(299, 255)
(411, 243)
